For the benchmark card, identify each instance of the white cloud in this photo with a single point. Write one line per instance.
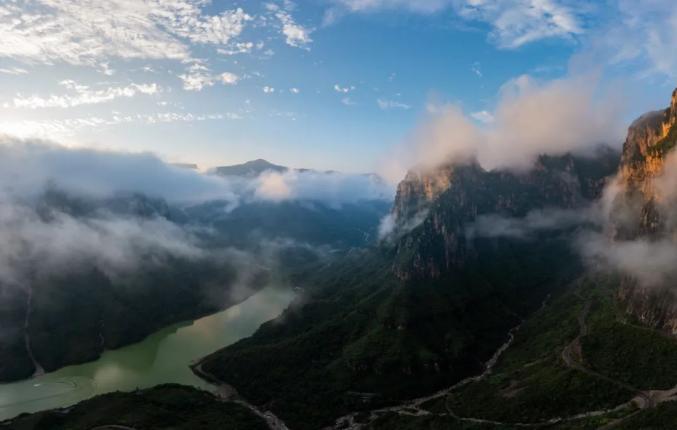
(90, 32)
(229, 78)
(186, 20)
(567, 115)
(83, 95)
(62, 242)
(641, 34)
(13, 71)
(116, 243)
(240, 48)
(42, 237)
(651, 262)
(165, 117)
(268, 90)
(345, 90)
(518, 22)
(475, 68)
(295, 34)
(50, 128)
(387, 226)
(649, 259)
(67, 128)
(513, 22)
(27, 167)
(386, 104)
(273, 186)
(294, 90)
(198, 76)
(39, 245)
(420, 6)
(528, 226)
(483, 116)
(334, 188)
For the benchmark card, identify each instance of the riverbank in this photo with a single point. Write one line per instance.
(166, 406)
(229, 393)
(163, 357)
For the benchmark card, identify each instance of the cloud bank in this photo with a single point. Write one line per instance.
(331, 188)
(27, 167)
(493, 225)
(73, 211)
(35, 245)
(530, 119)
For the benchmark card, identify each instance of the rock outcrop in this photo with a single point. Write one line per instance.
(637, 208)
(434, 209)
(643, 211)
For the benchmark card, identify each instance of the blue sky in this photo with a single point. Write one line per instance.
(331, 84)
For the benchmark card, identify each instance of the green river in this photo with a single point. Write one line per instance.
(162, 357)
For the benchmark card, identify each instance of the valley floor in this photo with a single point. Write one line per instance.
(578, 363)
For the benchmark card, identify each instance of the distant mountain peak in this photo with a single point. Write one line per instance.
(258, 162)
(250, 169)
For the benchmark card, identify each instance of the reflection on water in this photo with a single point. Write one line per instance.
(162, 357)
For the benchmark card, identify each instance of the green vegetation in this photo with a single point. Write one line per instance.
(81, 310)
(638, 356)
(540, 392)
(663, 417)
(531, 383)
(619, 348)
(164, 407)
(358, 329)
(394, 421)
(401, 422)
(398, 322)
(14, 360)
(295, 363)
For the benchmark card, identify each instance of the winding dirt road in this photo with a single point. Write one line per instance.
(572, 356)
(228, 393)
(413, 407)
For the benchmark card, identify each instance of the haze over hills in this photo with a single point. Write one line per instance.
(139, 262)
(338, 215)
(470, 254)
(308, 206)
(493, 298)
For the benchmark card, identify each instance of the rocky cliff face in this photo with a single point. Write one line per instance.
(653, 307)
(438, 206)
(637, 209)
(419, 189)
(642, 211)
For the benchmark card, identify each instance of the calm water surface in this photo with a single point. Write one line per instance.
(162, 357)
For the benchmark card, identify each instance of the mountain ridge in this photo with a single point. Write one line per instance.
(424, 325)
(505, 330)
